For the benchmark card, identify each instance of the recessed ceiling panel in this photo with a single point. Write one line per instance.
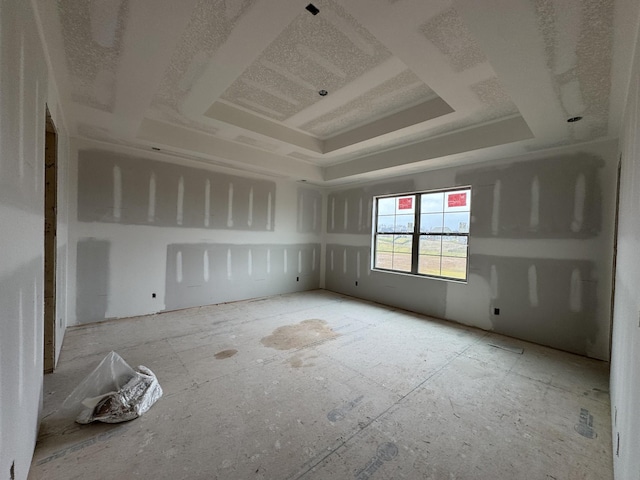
(328, 52)
(316, 52)
(399, 92)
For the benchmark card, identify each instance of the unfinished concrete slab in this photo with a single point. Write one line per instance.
(318, 385)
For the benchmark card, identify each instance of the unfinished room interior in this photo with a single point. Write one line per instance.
(352, 239)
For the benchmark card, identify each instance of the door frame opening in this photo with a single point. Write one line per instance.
(50, 241)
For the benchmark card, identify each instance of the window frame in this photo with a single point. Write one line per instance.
(416, 234)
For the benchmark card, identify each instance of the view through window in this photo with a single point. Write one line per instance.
(425, 233)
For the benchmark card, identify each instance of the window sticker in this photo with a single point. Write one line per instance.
(457, 199)
(405, 203)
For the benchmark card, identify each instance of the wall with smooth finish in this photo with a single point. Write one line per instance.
(625, 357)
(540, 248)
(154, 232)
(26, 89)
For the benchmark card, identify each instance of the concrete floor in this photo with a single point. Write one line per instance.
(265, 389)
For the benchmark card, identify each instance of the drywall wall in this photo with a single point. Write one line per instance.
(203, 274)
(154, 232)
(540, 248)
(309, 211)
(137, 191)
(25, 91)
(625, 357)
(92, 275)
(348, 271)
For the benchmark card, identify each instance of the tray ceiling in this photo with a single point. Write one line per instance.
(408, 83)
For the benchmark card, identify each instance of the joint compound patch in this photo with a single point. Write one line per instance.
(585, 426)
(385, 453)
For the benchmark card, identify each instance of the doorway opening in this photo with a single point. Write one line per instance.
(50, 242)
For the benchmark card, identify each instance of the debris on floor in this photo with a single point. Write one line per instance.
(114, 392)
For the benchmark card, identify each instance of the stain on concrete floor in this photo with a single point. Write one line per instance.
(299, 335)
(225, 354)
(297, 361)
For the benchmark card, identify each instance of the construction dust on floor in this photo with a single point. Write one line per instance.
(317, 385)
(303, 334)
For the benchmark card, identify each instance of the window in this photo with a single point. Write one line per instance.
(424, 233)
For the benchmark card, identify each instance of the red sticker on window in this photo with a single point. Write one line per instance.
(457, 199)
(405, 203)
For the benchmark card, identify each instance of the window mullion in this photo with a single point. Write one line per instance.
(415, 250)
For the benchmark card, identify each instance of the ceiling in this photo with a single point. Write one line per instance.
(409, 84)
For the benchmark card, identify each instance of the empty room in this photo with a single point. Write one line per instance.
(363, 239)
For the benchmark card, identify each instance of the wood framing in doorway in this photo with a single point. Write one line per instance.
(50, 241)
(615, 254)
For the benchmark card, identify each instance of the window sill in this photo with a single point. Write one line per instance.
(427, 277)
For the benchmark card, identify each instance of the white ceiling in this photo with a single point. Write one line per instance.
(411, 84)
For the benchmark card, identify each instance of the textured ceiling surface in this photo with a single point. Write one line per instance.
(578, 46)
(236, 81)
(451, 36)
(393, 95)
(92, 35)
(210, 26)
(326, 51)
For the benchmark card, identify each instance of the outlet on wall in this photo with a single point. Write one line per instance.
(153, 295)
(496, 311)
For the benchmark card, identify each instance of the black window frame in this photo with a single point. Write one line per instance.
(416, 234)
